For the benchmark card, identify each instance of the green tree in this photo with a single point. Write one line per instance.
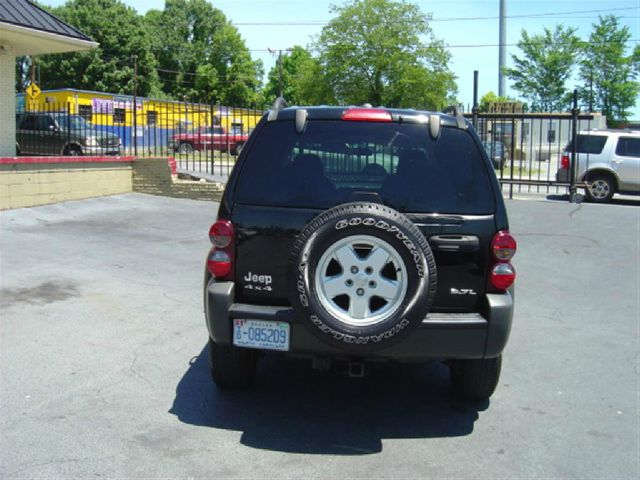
(302, 79)
(546, 64)
(490, 98)
(110, 68)
(384, 52)
(313, 84)
(201, 54)
(23, 69)
(608, 75)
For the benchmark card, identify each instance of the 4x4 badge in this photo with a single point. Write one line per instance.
(463, 291)
(258, 282)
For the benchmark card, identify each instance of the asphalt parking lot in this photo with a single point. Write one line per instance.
(103, 367)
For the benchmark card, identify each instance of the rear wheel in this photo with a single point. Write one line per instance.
(600, 187)
(185, 148)
(232, 367)
(237, 148)
(475, 379)
(72, 151)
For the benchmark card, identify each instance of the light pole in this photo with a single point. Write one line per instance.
(502, 48)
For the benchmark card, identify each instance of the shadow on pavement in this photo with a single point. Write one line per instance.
(626, 200)
(292, 408)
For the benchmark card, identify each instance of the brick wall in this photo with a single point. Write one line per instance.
(30, 184)
(153, 176)
(31, 181)
(7, 105)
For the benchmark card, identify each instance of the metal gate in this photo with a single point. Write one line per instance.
(527, 149)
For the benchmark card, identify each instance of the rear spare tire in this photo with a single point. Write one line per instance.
(363, 276)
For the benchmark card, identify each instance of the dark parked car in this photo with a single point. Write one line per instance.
(357, 234)
(58, 133)
(497, 153)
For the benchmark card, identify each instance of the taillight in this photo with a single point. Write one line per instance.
(219, 264)
(221, 233)
(220, 261)
(367, 115)
(502, 276)
(564, 162)
(503, 247)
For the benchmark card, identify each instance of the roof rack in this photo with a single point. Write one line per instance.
(455, 111)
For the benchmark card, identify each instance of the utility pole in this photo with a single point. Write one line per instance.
(502, 52)
(474, 109)
(280, 92)
(279, 64)
(135, 104)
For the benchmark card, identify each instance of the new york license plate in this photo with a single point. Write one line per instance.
(262, 334)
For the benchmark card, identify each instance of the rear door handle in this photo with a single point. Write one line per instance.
(455, 243)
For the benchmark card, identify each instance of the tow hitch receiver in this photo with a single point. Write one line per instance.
(356, 369)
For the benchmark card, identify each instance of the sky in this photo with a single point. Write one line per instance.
(468, 27)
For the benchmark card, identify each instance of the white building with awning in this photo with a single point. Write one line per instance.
(26, 29)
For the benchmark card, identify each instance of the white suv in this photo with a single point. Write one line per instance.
(607, 162)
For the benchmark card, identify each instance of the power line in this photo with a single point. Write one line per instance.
(515, 44)
(536, 15)
(481, 45)
(442, 19)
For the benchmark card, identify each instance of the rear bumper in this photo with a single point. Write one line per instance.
(441, 335)
(108, 150)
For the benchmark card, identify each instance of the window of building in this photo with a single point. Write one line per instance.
(152, 117)
(119, 115)
(85, 111)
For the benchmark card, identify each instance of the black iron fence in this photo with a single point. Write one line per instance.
(203, 139)
(527, 149)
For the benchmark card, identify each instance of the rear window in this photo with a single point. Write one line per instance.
(335, 161)
(592, 144)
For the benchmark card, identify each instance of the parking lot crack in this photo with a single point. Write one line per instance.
(133, 369)
(577, 209)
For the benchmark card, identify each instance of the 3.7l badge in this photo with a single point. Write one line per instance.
(463, 291)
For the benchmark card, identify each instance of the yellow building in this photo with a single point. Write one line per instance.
(155, 120)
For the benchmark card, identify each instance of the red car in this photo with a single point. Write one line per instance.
(208, 138)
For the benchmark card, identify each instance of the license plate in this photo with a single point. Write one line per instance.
(261, 334)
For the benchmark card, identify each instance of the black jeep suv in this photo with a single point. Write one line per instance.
(358, 233)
